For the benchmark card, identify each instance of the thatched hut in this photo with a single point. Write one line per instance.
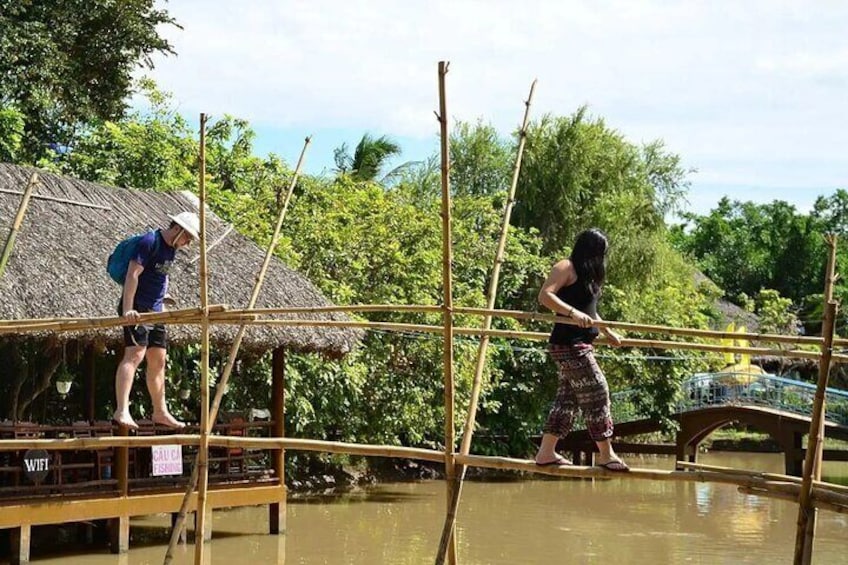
(58, 265)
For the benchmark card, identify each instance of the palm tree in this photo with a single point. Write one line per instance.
(368, 158)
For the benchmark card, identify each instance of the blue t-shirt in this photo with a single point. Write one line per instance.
(156, 258)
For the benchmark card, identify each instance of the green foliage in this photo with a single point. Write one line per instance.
(11, 133)
(775, 313)
(578, 173)
(369, 159)
(749, 248)
(153, 149)
(481, 162)
(65, 65)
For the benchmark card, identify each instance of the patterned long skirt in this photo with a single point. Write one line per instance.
(582, 386)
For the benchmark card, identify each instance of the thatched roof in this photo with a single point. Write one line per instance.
(57, 268)
(729, 311)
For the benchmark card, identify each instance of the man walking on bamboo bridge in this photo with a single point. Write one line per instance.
(141, 264)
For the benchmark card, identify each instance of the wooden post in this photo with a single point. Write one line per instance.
(90, 367)
(277, 510)
(119, 534)
(16, 225)
(118, 527)
(20, 539)
(222, 383)
(203, 449)
(447, 306)
(491, 295)
(805, 533)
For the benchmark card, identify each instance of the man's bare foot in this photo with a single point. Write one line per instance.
(165, 419)
(124, 419)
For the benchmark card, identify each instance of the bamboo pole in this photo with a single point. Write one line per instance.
(815, 441)
(647, 328)
(16, 225)
(540, 336)
(804, 539)
(465, 447)
(824, 505)
(222, 384)
(59, 200)
(447, 308)
(186, 316)
(202, 463)
(539, 317)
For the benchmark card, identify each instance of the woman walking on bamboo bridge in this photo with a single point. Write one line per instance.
(573, 289)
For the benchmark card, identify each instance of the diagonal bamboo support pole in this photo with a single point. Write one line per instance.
(465, 448)
(59, 200)
(16, 225)
(447, 308)
(203, 450)
(222, 384)
(815, 440)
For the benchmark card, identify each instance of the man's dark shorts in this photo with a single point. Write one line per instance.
(144, 335)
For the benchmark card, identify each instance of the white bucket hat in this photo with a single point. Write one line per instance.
(189, 222)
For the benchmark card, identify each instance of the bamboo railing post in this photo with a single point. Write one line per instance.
(203, 451)
(447, 307)
(471, 417)
(805, 533)
(16, 225)
(231, 360)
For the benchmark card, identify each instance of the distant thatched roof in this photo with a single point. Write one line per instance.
(729, 311)
(57, 268)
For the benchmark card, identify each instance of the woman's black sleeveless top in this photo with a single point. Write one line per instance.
(581, 298)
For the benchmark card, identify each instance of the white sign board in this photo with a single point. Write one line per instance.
(167, 460)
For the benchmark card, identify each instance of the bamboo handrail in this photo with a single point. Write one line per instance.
(541, 317)
(449, 527)
(184, 316)
(540, 336)
(646, 328)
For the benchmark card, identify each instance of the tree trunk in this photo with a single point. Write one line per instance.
(45, 377)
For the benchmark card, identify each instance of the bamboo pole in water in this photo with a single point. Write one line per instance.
(465, 447)
(222, 384)
(447, 284)
(815, 440)
(16, 225)
(202, 463)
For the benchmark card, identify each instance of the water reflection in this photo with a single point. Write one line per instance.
(526, 522)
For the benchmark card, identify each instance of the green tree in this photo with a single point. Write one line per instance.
(65, 64)
(481, 162)
(578, 173)
(369, 159)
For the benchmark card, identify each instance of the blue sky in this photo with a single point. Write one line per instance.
(751, 94)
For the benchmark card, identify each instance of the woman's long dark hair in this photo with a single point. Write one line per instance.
(588, 258)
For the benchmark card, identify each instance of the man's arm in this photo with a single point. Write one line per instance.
(130, 286)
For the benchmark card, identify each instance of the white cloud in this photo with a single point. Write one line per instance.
(756, 83)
